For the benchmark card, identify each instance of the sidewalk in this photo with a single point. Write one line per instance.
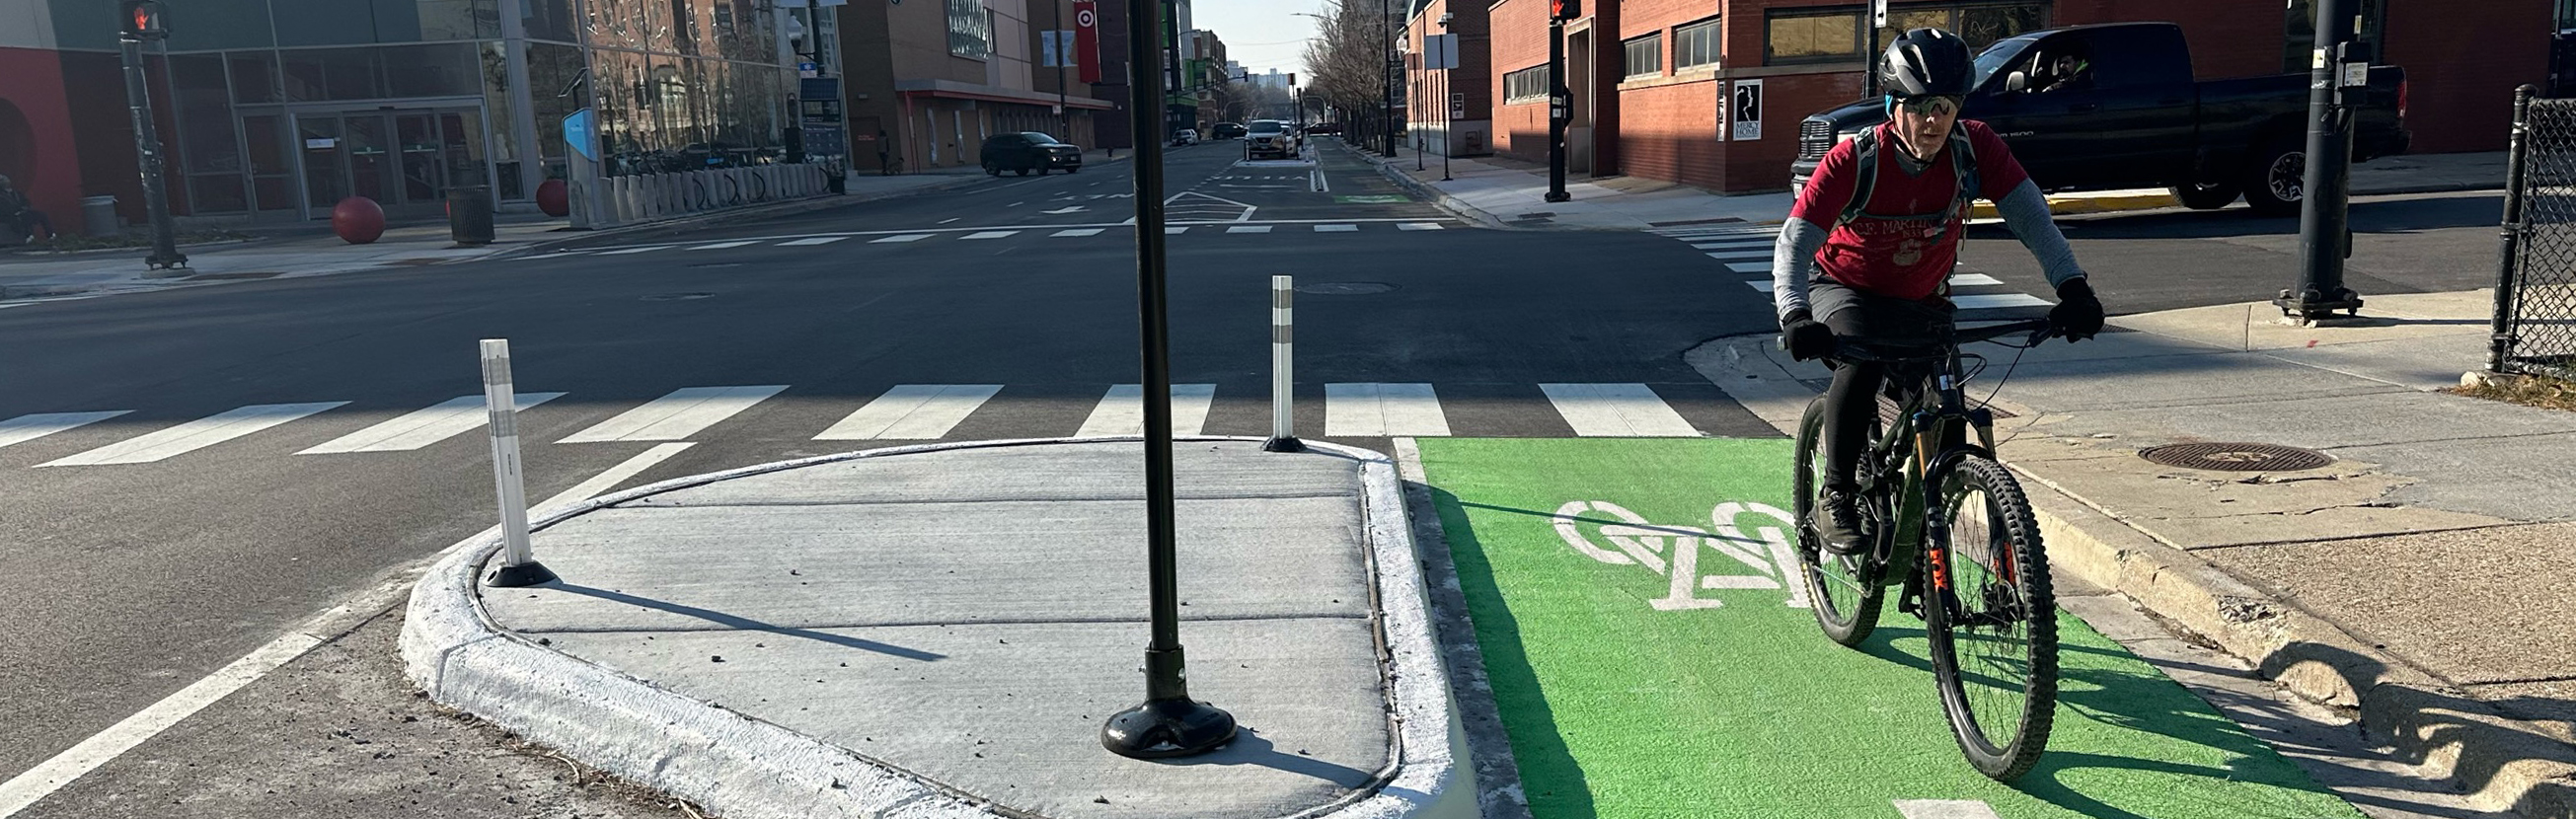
(2419, 579)
(941, 631)
(303, 249)
(1507, 192)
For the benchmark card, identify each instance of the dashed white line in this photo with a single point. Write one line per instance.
(722, 245)
(644, 249)
(1248, 229)
(818, 240)
(1077, 232)
(990, 234)
(902, 237)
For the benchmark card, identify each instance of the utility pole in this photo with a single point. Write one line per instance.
(143, 22)
(1559, 100)
(1171, 67)
(1386, 86)
(2341, 67)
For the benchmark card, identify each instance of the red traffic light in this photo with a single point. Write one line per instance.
(1564, 9)
(142, 20)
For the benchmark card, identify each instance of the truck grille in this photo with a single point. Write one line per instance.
(1815, 137)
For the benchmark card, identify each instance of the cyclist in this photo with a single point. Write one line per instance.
(1881, 217)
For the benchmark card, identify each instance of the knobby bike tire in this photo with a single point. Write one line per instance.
(1846, 613)
(2005, 619)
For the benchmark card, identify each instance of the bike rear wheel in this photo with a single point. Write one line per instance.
(1842, 590)
(1993, 636)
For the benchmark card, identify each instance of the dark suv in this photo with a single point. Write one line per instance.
(1028, 151)
(1226, 130)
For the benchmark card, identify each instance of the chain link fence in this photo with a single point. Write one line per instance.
(2535, 313)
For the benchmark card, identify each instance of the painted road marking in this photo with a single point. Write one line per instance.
(555, 255)
(902, 237)
(1972, 279)
(1749, 267)
(615, 475)
(723, 245)
(1735, 244)
(1122, 410)
(1077, 232)
(1368, 410)
(1763, 285)
(1750, 253)
(818, 240)
(683, 413)
(1175, 231)
(26, 428)
(1617, 411)
(1248, 229)
(1674, 550)
(1418, 226)
(912, 411)
(1945, 809)
(423, 427)
(990, 234)
(1336, 228)
(194, 435)
(1984, 301)
(644, 249)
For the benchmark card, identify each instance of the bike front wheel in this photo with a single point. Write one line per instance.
(1993, 624)
(1842, 590)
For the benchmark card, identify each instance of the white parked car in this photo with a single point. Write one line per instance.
(1269, 138)
(1185, 136)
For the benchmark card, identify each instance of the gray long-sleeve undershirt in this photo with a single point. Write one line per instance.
(2025, 212)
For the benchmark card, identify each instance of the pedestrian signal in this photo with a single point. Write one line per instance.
(142, 20)
(1564, 9)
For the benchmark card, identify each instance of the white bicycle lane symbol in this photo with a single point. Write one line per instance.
(1675, 551)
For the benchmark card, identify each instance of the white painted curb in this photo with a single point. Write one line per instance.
(741, 767)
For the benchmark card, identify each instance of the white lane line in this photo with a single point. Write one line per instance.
(1175, 231)
(1739, 255)
(1418, 226)
(950, 219)
(1617, 411)
(919, 412)
(1122, 410)
(644, 249)
(423, 427)
(1248, 229)
(1735, 244)
(902, 237)
(723, 245)
(818, 240)
(1945, 809)
(1336, 228)
(1749, 267)
(1077, 232)
(615, 475)
(685, 412)
(555, 255)
(1969, 279)
(1985, 301)
(1368, 410)
(26, 428)
(194, 435)
(990, 234)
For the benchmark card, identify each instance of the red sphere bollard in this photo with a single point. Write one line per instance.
(554, 197)
(358, 220)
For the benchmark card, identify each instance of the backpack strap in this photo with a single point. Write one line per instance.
(1963, 163)
(1864, 160)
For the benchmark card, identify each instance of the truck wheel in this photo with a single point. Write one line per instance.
(2274, 186)
(2207, 197)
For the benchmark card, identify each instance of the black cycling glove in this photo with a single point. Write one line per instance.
(1805, 338)
(2078, 315)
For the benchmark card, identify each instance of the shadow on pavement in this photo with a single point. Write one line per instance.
(1548, 769)
(748, 624)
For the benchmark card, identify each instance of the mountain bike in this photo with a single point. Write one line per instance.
(1974, 570)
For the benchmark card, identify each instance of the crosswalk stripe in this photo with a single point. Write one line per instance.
(684, 412)
(990, 234)
(1176, 231)
(1617, 411)
(1740, 244)
(647, 249)
(723, 245)
(1418, 226)
(1248, 229)
(818, 240)
(1077, 232)
(912, 412)
(1336, 228)
(1739, 255)
(1122, 410)
(1368, 410)
(1749, 267)
(1987, 301)
(901, 237)
(1763, 285)
(26, 428)
(194, 435)
(423, 427)
(1972, 280)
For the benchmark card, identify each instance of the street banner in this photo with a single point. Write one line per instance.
(1086, 38)
(1047, 51)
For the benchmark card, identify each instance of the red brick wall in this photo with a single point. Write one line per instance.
(2462, 62)
(1670, 132)
(1763, 164)
(1519, 40)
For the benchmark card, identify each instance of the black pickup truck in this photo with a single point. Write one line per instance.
(2114, 106)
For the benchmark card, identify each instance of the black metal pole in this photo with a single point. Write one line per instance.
(1559, 105)
(1171, 27)
(1168, 723)
(1386, 83)
(147, 150)
(2509, 243)
(2324, 236)
(1448, 119)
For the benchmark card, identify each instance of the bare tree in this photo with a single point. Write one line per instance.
(1346, 57)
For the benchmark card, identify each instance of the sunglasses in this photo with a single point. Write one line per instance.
(1931, 105)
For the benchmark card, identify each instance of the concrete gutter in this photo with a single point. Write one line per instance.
(2500, 763)
(739, 766)
(1431, 193)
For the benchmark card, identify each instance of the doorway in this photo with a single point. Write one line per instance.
(1578, 84)
(404, 159)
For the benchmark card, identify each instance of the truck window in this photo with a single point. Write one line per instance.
(2126, 57)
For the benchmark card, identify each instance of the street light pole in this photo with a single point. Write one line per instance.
(2341, 65)
(144, 22)
(1558, 101)
(1386, 85)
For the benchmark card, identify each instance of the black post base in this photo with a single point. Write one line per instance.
(1162, 729)
(1558, 196)
(171, 261)
(531, 573)
(2315, 306)
(1283, 444)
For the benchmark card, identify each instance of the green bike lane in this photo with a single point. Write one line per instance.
(1651, 655)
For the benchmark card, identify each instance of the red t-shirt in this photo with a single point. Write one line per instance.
(1907, 259)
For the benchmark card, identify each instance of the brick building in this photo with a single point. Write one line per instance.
(1426, 110)
(1658, 84)
(936, 78)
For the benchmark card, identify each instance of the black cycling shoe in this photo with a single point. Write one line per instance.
(1838, 523)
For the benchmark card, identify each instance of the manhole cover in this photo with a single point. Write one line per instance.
(2236, 457)
(1345, 288)
(676, 296)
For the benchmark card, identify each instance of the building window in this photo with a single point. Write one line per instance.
(1645, 56)
(1806, 36)
(1526, 85)
(1695, 45)
(1789, 38)
(970, 32)
(1981, 24)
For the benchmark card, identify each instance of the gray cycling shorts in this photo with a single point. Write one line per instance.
(1881, 320)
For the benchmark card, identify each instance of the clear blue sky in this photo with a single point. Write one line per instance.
(1260, 34)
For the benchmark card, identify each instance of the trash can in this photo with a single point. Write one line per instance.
(98, 216)
(469, 215)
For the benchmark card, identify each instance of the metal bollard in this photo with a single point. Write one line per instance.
(1283, 381)
(519, 566)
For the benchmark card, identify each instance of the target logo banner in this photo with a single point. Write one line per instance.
(1086, 39)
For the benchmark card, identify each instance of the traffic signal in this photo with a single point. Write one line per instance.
(142, 20)
(1564, 9)
(1292, 79)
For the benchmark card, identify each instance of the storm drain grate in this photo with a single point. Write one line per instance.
(2236, 457)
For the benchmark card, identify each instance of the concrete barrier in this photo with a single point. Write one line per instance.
(621, 196)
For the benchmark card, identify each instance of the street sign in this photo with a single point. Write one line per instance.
(1457, 105)
(1878, 13)
(576, 130)
(807, 67)
(1440, 51)
(819, 88)
(824, 140)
